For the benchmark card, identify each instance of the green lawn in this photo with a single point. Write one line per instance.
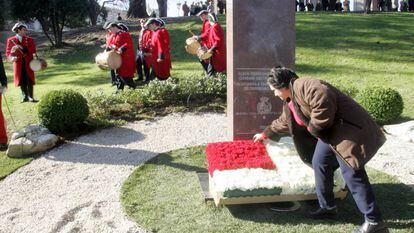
(353, 48)
(164, 195)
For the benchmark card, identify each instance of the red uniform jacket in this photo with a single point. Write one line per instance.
(123, 41)
(30, 48)
(160, 49)
(145, 45)
(205, 30)
(217, 41)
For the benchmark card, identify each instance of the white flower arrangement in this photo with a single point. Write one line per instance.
(291, 174)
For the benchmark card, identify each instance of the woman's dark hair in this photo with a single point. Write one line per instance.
(281, 77)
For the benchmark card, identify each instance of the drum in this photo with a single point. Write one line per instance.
(192, 46)
(38, 64)
(108, 60)
(203, 53)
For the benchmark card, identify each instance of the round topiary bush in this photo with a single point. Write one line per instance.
(63, 111)
(383, 103)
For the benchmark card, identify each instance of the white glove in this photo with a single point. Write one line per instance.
(258, 137)
(13, 59)
(15, 48)
(196, 37)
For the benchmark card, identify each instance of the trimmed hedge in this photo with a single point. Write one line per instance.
(383, 103)
(197, 90)
(63, 111)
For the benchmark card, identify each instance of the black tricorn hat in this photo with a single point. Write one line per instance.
(18, 26)
(123, 27)
(151, 21)
(110, 25)
(202, 12)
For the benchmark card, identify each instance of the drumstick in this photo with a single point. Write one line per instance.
(8, 109)
(191, 32)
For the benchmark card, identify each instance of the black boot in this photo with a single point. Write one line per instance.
(114, 80)
(120, 84)
(25, 93)
(368, 227)
(30, 90)
(323, 213)
(139, 65)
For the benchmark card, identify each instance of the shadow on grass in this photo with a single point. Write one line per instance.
(324, 32)
(398, 214)
(342, 69)
(166, 159)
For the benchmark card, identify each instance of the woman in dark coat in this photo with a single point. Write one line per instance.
(330, 130)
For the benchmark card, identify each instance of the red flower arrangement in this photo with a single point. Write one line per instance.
(237, 154)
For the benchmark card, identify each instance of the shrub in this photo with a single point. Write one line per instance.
(383, 103)
(347, 89)
(203, 89)
(106, 110)
(160, 93)
(100, 104)
(63, 111)
(216, 87)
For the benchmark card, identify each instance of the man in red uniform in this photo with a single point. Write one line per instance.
(122, 44)
(20, 49)
(109, 38)
(144, 60)
(205, 29)
(203, 38)
(3, 81)
(160, 49)
(217, 46)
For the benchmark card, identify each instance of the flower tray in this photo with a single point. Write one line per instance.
(244, 172)
(258, 196)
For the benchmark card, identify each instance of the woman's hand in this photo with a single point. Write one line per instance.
(258, 137)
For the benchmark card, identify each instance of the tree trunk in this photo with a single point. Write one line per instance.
(332, 5)
(367, 6)
(137, 9)
(59, 34)
(2, 6)
(45, 28)
(93, 11)
(162, 7)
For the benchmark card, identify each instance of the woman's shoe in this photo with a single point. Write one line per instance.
(323, 213)
(368, 227)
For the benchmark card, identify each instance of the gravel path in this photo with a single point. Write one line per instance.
(76, 187)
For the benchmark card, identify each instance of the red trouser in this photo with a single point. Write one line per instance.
(3, 133)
